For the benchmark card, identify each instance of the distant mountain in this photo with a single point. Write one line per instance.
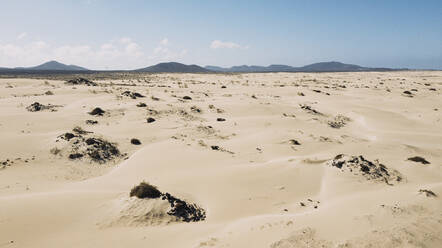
(174, 67)
(48, 66)
(56, 66)
(332, 66)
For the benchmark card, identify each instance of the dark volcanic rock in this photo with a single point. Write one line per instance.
(310, 110)
(133, 95)
(182, 210)
(36, 106)
(97, 149)
(418, 159)
(187, 98)
(220, 119)
(141, 105)
(150, 120)
(358, 165)
(75, 155)
(135, 141)
(91, 122)
(79, 81)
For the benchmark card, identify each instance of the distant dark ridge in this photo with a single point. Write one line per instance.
(48, 66)
(174, 67)
(54, 67)
(332, 66)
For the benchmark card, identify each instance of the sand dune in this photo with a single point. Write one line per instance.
(255, 151)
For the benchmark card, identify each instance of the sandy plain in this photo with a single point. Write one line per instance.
(268, 175)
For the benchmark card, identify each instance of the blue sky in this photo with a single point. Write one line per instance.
(101, 34)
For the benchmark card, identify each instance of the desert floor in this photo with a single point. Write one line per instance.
(269, 175)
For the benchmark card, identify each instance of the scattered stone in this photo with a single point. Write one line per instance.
(408, 93)
(294, 142)
(75, 156)
(79, 81)
(216, 148)
(309, 109)
(135, 141)
(36, 106)
(79, 130)
(358, 165)
(150, 120)
(97, 111)
(49, 93)
(183, 210)
(195, 109)
(418, 159)
(91, 122)
(133, 95)
(141, 105)
(68, 136)
(220, 119)
(187, 98)
(428, 193)
(300, 94)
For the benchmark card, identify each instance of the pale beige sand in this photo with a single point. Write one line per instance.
(252, 188)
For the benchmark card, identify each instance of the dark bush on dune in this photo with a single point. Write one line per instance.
(145, 190)
(184, 211)
(97, 111)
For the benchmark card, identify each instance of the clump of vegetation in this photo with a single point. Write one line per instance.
(339, 121)
(184, 211)
(145, 190)
(80, 145)
(97, 111)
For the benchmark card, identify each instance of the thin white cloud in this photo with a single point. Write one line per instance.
(123, 53)
(22, 36)
(164, 42)
(163, 52)
(216, 44)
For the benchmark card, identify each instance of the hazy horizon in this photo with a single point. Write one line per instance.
(114, 35)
